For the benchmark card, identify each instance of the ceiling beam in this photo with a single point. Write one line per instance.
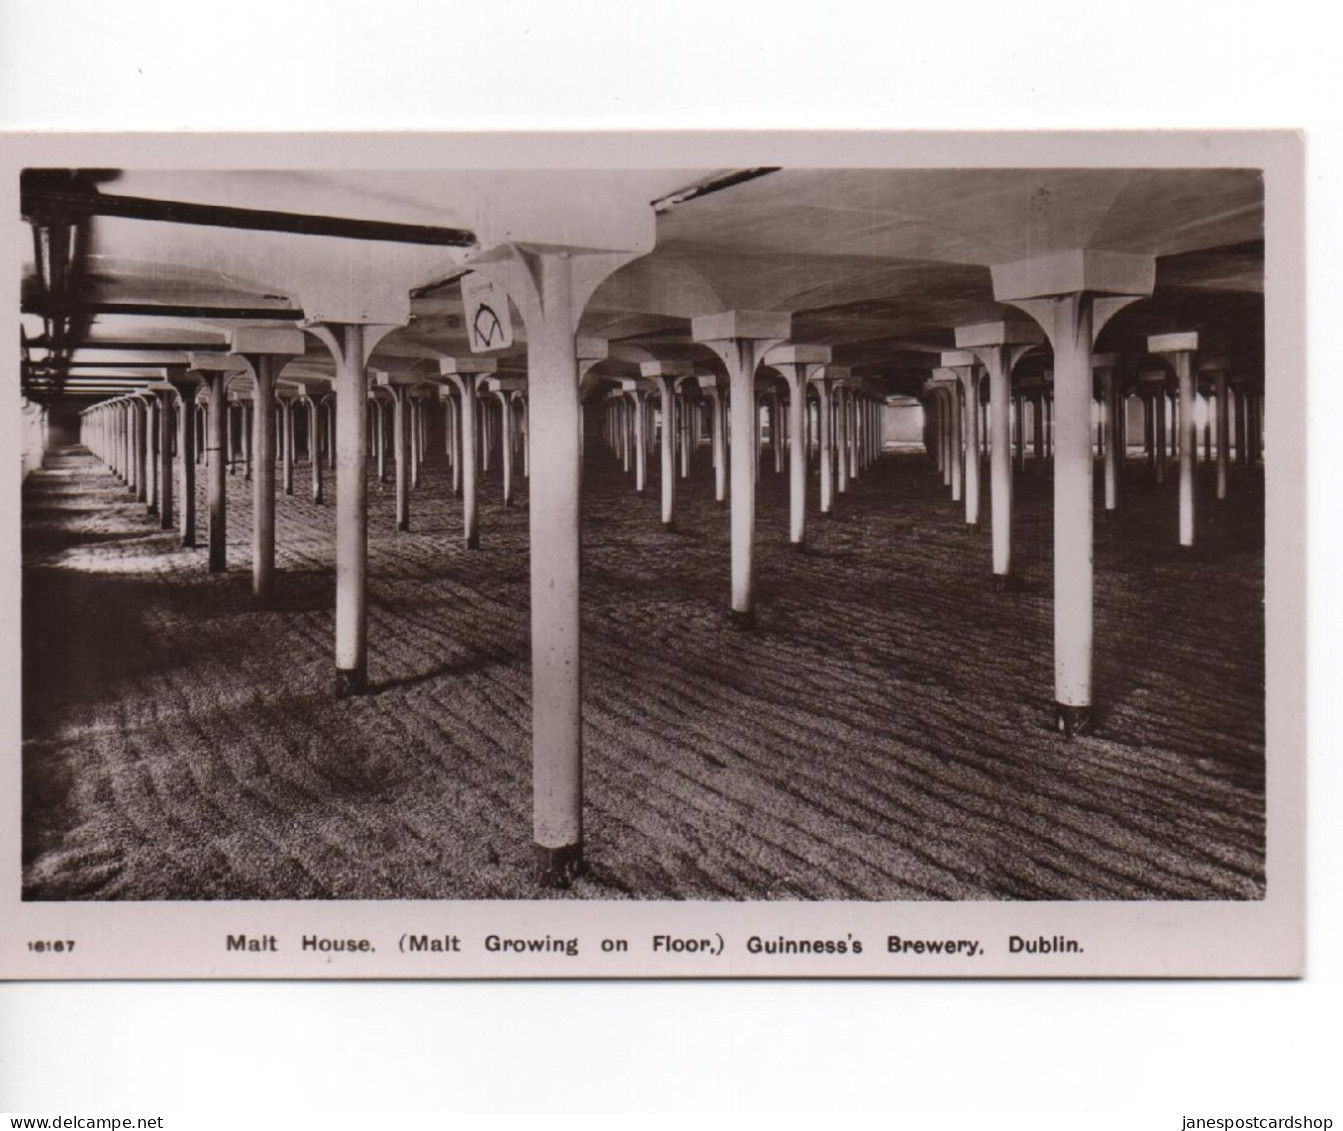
(147, 347)
(42, 203)
(160, 310)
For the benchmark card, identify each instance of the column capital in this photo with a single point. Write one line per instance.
(1074, 271)
(1173, 343)
(1004, 333)
(216, 363)
(187, 384)
(383, 379)
(669, 370)
(255, 340)
(503, 384)
(830, 374)
(733, 325)
(959, 359)
(791, 353)
(465, 366)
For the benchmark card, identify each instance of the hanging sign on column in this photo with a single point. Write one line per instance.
(488, 323)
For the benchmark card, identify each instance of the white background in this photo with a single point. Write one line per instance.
(959, 1054)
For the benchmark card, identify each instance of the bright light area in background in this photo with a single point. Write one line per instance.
(1007, 1055)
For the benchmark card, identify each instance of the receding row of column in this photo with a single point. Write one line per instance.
(839, 439)
(145, 436)
(954, 441)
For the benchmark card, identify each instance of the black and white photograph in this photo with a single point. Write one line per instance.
(783, 535)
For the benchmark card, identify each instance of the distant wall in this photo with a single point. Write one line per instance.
(32, 437)
(62, 426)
(902, 423)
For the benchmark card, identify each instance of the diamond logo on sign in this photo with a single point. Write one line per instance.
(488, 323)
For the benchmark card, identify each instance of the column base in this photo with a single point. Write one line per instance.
(403, 527)
(166, 522)
(558, 867)
(351, 681)
(1073, 720)
(473, 540)
(1191, 553)
(218, 564)
(669, 527)
(1007, 583)
(640, 492)
(742, 620)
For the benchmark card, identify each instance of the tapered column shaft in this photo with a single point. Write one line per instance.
(553, 519)
(668, 452)
(314, 449)
(957, 445)
(970, 383)
(640, 443)
(415, 425)
(842, 438)
(151, 457)
(263, 478)
(1111, 420)
(400, 438)
(165, 471)
(470, 463)
(506, 416)
(1184, 371)
(719, 425)
(455, 427)
(827, 447)
(186, 458)
(1073, 513)
(287, 424)
(797, 459)
(216, 412)
(745, 461)
(351, 451)
(1000, 459)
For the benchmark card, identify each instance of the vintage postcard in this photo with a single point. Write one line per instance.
(639, 555)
